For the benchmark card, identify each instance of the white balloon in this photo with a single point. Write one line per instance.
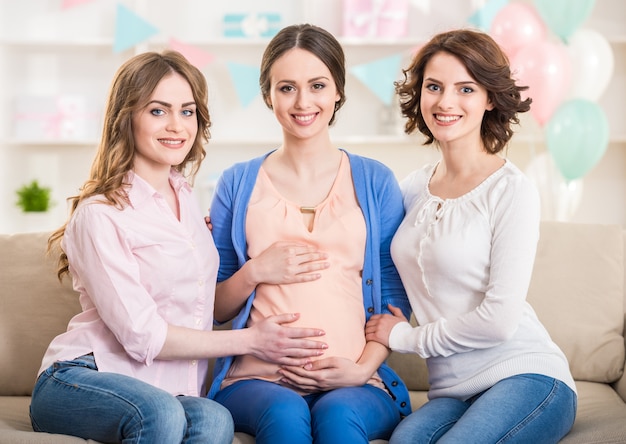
(592, 64)
(559, 198)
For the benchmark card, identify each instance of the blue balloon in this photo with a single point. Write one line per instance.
(563, 17)
(577, 136)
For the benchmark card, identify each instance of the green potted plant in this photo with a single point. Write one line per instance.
(33, 197)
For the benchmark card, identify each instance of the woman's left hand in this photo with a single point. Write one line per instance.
(324, 374)
(379, 326)
(207, 221)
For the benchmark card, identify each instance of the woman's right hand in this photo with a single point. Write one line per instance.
(287, 262)
(271, 341)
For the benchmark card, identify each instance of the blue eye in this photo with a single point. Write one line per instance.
(157, 112)
(432, 87)
(467, 90)
(188, 112)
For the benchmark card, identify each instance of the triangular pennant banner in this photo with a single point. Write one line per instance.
(130, 29)
(246, 81)
(68, 4)
(483, 16)
(379, 76)
(196, 56)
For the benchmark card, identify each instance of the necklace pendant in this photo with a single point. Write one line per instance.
(307, 210)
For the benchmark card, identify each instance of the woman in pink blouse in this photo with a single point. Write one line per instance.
(132, 365)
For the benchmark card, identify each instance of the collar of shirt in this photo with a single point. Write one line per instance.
(140, 190)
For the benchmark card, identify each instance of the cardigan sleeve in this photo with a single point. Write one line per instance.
(391, 211)
(222, 220)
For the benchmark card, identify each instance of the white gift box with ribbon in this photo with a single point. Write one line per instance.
(375, 18)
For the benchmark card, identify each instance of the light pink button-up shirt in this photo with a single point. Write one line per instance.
(137, 270)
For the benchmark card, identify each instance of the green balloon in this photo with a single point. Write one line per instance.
(577, 136)
(563, 17)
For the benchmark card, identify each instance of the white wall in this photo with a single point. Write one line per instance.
(45, 50)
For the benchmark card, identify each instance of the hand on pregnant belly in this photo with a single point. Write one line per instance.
(323, 375)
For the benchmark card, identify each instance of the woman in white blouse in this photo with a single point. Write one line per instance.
(465, 253)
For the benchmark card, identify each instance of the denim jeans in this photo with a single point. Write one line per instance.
(277, 415)
(527, 408)
(74, 398)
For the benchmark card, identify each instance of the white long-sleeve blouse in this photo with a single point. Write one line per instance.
(466, 264)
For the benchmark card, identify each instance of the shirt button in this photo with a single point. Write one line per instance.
(394, 384)
(403, 404)
(370, 309)
(194, 362)
(198, 322)
(368, 282)
(200, 282)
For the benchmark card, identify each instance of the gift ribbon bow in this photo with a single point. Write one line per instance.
(376, 12)
(254, 25)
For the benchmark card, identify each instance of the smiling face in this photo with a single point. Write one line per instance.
(452, 103)
(165, 129)
(302, 94)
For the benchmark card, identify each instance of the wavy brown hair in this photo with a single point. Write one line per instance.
(130, 92)
(318, 42)
(487, 64)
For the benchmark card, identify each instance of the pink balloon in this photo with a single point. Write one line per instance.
(546, 69)
(517, 25)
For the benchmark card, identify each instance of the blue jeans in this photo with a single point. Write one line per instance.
(275, 414)
(523, 409)
(74, 398)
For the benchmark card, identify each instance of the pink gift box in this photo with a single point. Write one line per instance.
(62, 117)
(375, 18)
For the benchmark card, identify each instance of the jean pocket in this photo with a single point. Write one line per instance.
(86, 361)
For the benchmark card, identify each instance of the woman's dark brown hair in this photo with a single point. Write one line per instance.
(487, 64)
(317, 41)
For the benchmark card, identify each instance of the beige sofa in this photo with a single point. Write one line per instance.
(577, 291)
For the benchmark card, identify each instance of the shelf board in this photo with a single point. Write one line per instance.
(341, 141)
(51, 143)
(230, 142)
(51, 43)
(226, 43)
(217, 41)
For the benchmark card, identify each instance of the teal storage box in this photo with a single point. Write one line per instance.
(265, 24)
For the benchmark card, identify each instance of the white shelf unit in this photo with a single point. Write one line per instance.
(47, 51)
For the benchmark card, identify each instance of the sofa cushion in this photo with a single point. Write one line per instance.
(577, 290)
(34, 308)
(600, 416)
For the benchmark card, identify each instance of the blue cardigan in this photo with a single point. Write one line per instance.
(380, 198)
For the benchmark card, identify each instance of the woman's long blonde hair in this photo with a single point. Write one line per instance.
(130, 92)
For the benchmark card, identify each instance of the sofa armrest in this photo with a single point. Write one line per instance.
(620, 384)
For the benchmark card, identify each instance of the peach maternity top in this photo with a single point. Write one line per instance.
(334, 302)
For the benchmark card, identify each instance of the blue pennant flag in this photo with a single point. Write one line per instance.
(483, 17)
(246, 81)
(130, 29)
(379, 76)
